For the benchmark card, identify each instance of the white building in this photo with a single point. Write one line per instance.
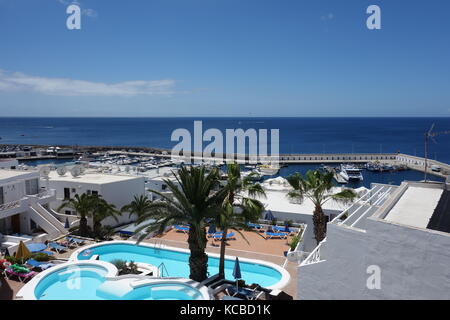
(116, 189)
(8, 163)
(392, 244)
(23, 213)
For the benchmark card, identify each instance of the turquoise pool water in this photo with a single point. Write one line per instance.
(177, 263)
(89, 283)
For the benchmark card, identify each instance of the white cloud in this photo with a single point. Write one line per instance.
(20, 82)
(329, 16)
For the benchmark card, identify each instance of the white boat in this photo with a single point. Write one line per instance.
(351, 173)
(268, 169)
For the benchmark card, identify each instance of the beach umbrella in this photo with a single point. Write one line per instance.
(269, 216)
(212, 229)
(286, 227)
(67, 224)
(237, 272)
(22, 251)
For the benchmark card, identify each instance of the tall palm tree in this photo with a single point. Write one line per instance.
(193, 201)
(139, 206)
(239, 207)
(83, 206)
(101, 210)
(317, 187)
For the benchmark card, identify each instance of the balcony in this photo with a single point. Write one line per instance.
(18, 206)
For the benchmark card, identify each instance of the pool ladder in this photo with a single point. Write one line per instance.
(162, 268)
(157, 245)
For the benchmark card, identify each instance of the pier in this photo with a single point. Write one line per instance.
(412, 162)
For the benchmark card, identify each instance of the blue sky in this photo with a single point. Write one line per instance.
(225, 58)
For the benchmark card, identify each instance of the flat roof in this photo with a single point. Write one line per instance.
(277, 201)
(91, 177)
(415, 207)
(6, 174)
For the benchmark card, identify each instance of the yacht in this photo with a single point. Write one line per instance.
(351, 173)
(268, 169)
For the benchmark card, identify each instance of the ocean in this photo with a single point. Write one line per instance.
(297, 135)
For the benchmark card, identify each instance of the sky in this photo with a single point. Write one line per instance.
(150, 58)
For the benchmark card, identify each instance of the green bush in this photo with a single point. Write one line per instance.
(119, 264)
(294, 242)
(41, 257)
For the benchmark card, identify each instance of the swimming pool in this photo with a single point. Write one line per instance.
(176, 261)
(98, 280)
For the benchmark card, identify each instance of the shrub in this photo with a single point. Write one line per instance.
(119, 264)
(294, 242)
(41, 257)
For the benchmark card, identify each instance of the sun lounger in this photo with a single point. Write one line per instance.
(248, 294)
(281, 229)
(39, 265)
(75, 241)
(57, 247)
(281, 235)
(255, 226)
(46, 252)
(21, 276)
(218, 236)
(181, 229)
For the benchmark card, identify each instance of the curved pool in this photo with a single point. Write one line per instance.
(98, 280)
(176, 261)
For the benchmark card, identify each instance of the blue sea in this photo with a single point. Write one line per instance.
(297, 135)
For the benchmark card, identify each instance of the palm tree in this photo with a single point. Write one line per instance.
(193, 201)
(316, 186)
(83, 206)
(239, 207)
(139, 206)
(101, 210)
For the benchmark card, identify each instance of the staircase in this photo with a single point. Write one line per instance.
(46, 220)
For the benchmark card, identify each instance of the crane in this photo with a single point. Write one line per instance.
(431, 135)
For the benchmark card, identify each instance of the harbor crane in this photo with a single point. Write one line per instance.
(431, 135)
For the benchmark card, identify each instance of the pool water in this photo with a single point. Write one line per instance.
(177, 263)
(71, 283)
(87, 282)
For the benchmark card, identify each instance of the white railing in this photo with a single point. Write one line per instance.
(297, 253)
(372, 198)
(315, 255)
(46, 194)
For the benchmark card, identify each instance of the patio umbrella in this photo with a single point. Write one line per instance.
(286, 227)
(237, 272)
(212, 229)
(22, 251)
(67, 224)
(6, 253)
(269, 216)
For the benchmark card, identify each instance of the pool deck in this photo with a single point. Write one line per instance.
(271, 250)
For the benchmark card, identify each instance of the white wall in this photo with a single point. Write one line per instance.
(118, 193)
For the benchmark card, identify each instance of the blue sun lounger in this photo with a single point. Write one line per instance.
(58, 248)
(218, 236)
(181, 229)
(281, 229)
(78, 242)
(281, 235)
(255, 226)
(39, 265)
